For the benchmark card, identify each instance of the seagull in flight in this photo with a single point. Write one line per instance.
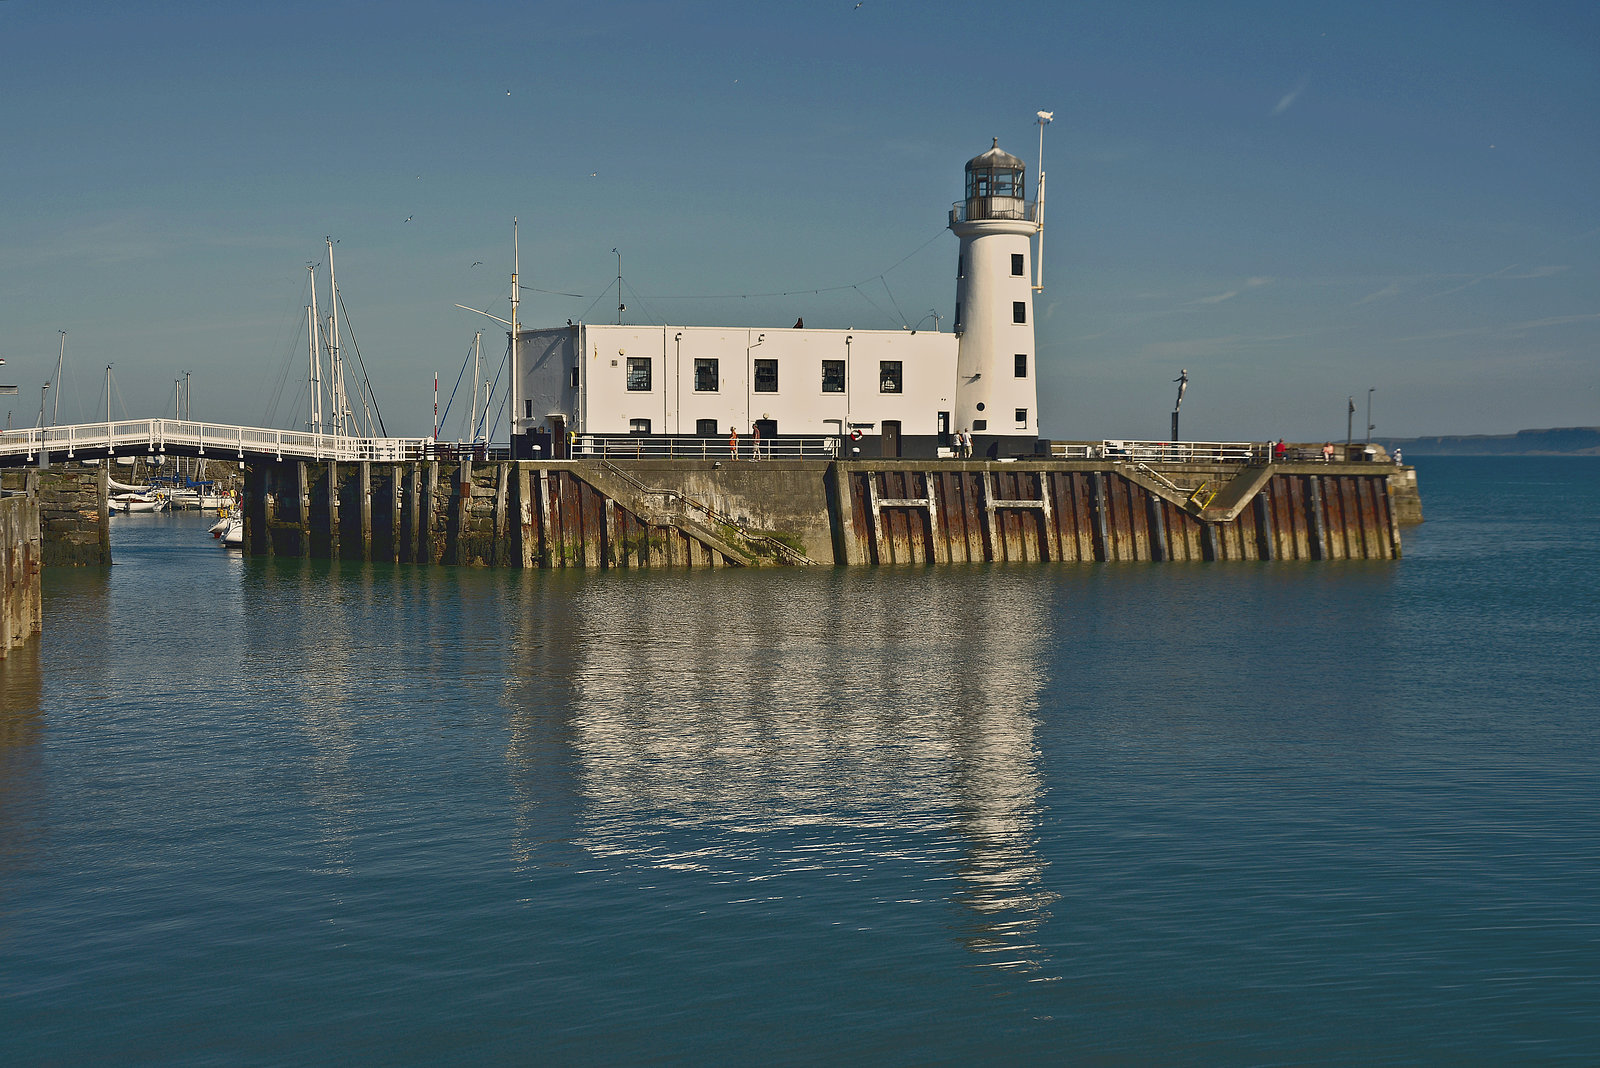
(410, 217)
(479, 263)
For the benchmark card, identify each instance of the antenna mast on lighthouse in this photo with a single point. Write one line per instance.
(1038, 212)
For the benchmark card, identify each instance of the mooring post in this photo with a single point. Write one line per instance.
(333, 509)
(364, 503)
(303, 490)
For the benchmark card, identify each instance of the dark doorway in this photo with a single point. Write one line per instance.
(891, 439)
(559, 449)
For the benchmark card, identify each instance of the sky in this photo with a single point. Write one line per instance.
(1296, 203)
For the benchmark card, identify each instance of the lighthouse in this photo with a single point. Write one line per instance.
(996, 392)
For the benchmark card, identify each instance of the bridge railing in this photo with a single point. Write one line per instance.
(157, 435)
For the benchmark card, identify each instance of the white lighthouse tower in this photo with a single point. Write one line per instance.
(996, 392)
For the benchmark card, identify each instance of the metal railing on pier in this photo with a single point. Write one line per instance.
(1167, 452)
(666, 447)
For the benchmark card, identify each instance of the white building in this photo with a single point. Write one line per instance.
(882, 392)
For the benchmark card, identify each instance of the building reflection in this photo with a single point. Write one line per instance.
(753, 725)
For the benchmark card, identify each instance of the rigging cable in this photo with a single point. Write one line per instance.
(365, 381)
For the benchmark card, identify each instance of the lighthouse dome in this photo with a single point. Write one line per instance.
(996, 158)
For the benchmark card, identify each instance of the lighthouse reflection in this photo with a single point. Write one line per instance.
(751, 726)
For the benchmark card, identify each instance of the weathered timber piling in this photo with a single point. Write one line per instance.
(21, 607)
(652, 514)
(1079, 511)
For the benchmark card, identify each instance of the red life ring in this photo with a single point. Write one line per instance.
(855, 435)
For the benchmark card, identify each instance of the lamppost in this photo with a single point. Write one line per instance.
(1370, 425)
(1183, 384)
(44, 453)
(1350, 423)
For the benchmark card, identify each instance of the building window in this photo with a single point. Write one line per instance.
(527, 409)
(1019, 311)
(889, 376)
(766, 376)
(705, 428)
(574, 378)
(833, 376)
(705, 375)
(638, 374)
(638, 426)
(1016, 263)
(1022, 364)
(980, 424)
(1022, 415)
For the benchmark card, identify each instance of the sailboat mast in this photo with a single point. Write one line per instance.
(313, 336)
(516, 392)
(55, 418)
(334, 358)
(473, 431)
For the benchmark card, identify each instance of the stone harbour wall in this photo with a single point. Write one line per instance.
(75, 525)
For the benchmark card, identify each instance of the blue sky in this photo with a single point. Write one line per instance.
(1295, 202)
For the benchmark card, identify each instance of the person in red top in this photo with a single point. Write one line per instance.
(733, 442)
(1280, 451)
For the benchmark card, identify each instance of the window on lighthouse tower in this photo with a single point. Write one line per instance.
(1016, 264)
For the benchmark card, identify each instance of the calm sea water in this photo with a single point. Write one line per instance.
(258, 811)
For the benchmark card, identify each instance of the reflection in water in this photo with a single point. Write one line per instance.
(752, 726)
(77, 611)
(22, 782)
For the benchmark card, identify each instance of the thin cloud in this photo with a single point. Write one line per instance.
(1217, 298)
(1505, 272)
(1391, 290)
(1287, 100)
(1555, 320)
(1504, 329)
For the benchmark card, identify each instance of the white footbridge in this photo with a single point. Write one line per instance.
(183, 437)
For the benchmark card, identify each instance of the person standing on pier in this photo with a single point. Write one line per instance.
(733, 442)
(755, 441)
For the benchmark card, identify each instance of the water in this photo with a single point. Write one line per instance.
(260, 811)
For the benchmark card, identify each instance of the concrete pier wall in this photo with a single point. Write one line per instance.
(21, 607)
(705, 514)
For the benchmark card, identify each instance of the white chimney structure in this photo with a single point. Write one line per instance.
(996, 373)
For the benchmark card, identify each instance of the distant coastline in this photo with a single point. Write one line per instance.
(1556, 441)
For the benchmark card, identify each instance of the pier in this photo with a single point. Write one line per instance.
(400, 500)
(594, 513)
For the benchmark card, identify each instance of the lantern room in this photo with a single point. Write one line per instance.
(995, 187)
